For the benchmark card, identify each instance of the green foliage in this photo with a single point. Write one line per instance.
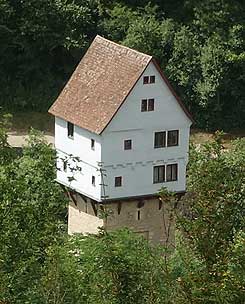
(6, 153)
(200, 45)
(218, 205)
(39, 39)
(40, 264)
(215, 16)
(32, 218)
(116, 267)
(150, 35)
(183, 64)
(116, 24)
(212, 223)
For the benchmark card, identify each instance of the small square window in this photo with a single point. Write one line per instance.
(145, 79)
(127, 144)
(147, 105)
(173, 138)
(149, 79)
(92, 144)
(158, 174)
(152, 79)
(93, 180)
(160, 139)
(172, 172)
(151, 104)
(118, 181)
(70, 129)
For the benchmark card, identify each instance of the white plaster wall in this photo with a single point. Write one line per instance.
(136, 165)
(78, 146)
(142, 146)
(167, 113)
(137, 179)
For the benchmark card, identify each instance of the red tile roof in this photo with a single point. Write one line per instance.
(100, 84)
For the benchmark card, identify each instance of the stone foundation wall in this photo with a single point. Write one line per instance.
(149, 218)
(82, 218)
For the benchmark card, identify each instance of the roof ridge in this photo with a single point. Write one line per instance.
(123, 46)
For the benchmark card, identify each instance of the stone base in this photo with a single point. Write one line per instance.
(147, 217)
(82, 222)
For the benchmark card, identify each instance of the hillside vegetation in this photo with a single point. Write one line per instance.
(198, 43)
(40, 264)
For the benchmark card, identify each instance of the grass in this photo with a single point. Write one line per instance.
(22, 122)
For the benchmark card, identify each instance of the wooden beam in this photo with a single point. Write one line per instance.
(93, 204)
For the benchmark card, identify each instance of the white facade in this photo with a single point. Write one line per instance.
(134, 166)
(88, 159)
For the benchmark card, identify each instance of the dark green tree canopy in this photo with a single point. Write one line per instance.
(199, 44)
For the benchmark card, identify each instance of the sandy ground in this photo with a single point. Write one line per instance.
(19, 140)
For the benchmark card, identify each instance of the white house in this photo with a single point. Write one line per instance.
(126, 127)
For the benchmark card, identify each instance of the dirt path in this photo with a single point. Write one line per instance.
(19, 140)
(22, 122)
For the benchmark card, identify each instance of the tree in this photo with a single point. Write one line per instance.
(183, 66)
(116, 267)
(32, 218)
(42, 42)
(209, 264)
(117, 21)
(6, 153)
(199, 44)
(40, 264)
(215, 16)
(150, 35)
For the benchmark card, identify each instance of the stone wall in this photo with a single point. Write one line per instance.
(149, 218)
(82, 217)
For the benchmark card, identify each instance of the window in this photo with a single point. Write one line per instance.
(173, 138)
(145, 79)
(172, 172)
(92, 144)
(158, 174)
(93, 180)
(160, 140)
(138, 215)
(118, 181)
(147, 105)
(152, 79)
(127, 144)
(151, 104)
(148, 79)
(143, 105)
(65, 165)
(70, 129)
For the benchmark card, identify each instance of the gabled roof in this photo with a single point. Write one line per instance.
(100, 84)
